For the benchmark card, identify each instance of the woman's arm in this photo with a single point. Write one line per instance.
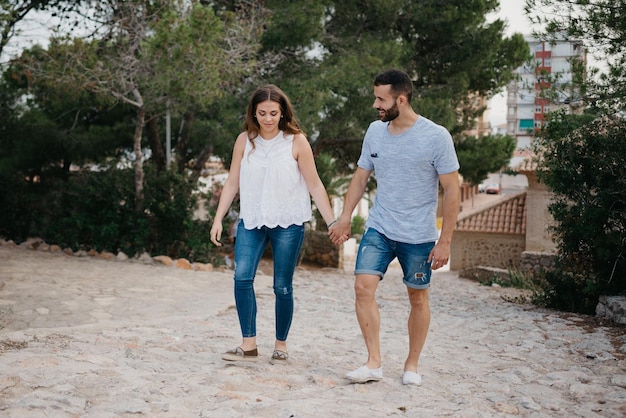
(303, 153)
(230, 190)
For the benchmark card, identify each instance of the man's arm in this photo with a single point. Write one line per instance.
(440, 255)
(354, 194)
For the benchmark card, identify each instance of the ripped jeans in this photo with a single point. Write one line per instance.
(249, 248)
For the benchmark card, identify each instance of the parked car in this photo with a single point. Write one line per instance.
(481, 188)
(492, 188)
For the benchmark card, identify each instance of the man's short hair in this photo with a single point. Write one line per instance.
(398, 80)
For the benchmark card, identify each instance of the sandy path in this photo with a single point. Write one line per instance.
(84, 337)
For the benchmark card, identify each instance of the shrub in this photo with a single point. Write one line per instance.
(95, 210)
(583, 161)
(358, 225)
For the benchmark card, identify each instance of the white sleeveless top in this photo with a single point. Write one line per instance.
(272, 190)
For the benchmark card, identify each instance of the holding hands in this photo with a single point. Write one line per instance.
(339, 231)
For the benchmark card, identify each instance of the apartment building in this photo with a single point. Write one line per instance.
(544, 85)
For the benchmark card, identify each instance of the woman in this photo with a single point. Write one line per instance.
(273, 170)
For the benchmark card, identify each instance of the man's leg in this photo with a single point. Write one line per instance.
(368, 315)
(369, 320)
(419, 322)
(373, 258)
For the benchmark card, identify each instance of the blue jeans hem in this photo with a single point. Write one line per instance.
(372, 272)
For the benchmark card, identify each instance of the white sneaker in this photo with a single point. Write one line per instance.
(365, 374)
(411, 378)
(228, 261)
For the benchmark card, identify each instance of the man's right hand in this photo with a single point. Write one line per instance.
(340, 231)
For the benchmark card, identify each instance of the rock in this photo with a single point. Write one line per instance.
(203, 267)
(612, 308)
(184, 264)
(32, 243)
(165, 260)
(121, 256)
(145, 258)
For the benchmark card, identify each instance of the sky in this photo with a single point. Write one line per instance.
(513, 12)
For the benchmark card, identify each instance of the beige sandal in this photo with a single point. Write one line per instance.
(237, 354)
(279, 357)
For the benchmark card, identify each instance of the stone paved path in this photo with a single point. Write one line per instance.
(82, 337)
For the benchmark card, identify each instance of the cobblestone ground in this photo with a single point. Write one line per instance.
(83, 337)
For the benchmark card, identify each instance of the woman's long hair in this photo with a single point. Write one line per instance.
(288, 122)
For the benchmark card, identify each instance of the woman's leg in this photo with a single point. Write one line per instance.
(286, 244)
(250, 245)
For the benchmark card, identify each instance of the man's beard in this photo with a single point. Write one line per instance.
(389, 114)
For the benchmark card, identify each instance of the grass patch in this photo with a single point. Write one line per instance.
(516, 279)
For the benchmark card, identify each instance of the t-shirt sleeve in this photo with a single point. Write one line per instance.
(446, 160)
(365, 160)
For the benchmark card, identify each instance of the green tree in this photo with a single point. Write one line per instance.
(484, 155)
(581, 157)
(327, 54)
(55, 127)
(151, 57)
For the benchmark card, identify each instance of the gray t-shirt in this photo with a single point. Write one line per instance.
(407, 167)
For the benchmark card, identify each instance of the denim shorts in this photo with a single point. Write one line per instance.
(376, 252)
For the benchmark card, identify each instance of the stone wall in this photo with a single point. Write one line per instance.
(538, 217)
(533, 263)
(317, 249)
(471, 249)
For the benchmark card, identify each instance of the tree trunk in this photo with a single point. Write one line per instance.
(141, 114)
(154, 140)
(183, 140)
(201, 160)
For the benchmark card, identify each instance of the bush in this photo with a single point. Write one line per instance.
(583, 161)
(96, 210)
(567, 291)
(16, 206)
(358, 225)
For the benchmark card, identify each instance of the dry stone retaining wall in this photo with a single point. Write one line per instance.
(471, 249)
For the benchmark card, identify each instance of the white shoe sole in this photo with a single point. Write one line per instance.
(363, 375)
(411, 378)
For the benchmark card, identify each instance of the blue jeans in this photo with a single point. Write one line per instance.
(249, 247)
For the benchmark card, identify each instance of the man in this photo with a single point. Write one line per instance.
(410, 156)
